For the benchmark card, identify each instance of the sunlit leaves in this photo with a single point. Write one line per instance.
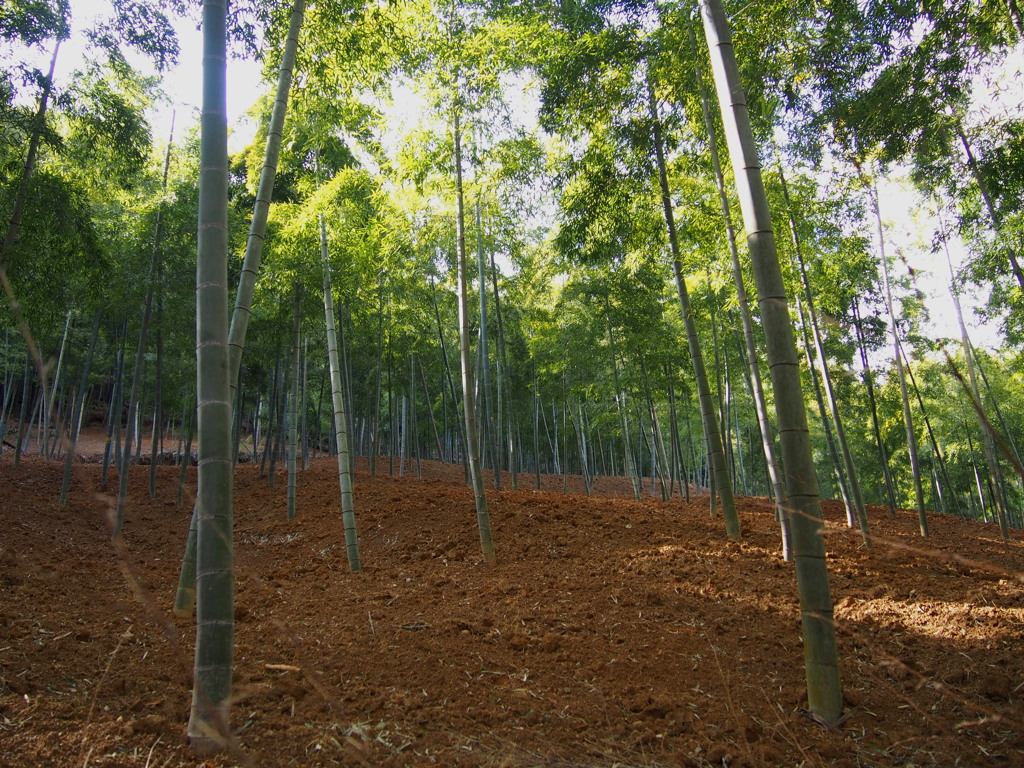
(889, 73)
(598, 211)
(144, 27)
(105, 117)
(34, 21)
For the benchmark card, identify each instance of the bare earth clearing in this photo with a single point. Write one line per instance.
(612, 632)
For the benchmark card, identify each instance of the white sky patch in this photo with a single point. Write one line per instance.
(910, 227)
(182, 84)
(403, 114)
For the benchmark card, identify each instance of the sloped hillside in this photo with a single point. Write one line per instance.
(612, 632)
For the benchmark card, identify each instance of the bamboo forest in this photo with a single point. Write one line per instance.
(555, 383)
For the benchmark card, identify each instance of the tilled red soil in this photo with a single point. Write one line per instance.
(611, 633)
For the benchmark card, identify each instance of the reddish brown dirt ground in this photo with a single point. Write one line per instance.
(611, 632)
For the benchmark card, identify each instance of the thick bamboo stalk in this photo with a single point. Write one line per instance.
(821, 653)
(257, 228)
(208, 726)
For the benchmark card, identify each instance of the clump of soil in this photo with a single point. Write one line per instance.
(611, 632)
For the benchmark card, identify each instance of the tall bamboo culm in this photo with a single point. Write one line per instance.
(208, 725)
(716, 451)
(908, 419)
(988, 447)
(184, 599)
(756, 385)
(341, 426)
(821, 654)
(294, 396)
(483, 518)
